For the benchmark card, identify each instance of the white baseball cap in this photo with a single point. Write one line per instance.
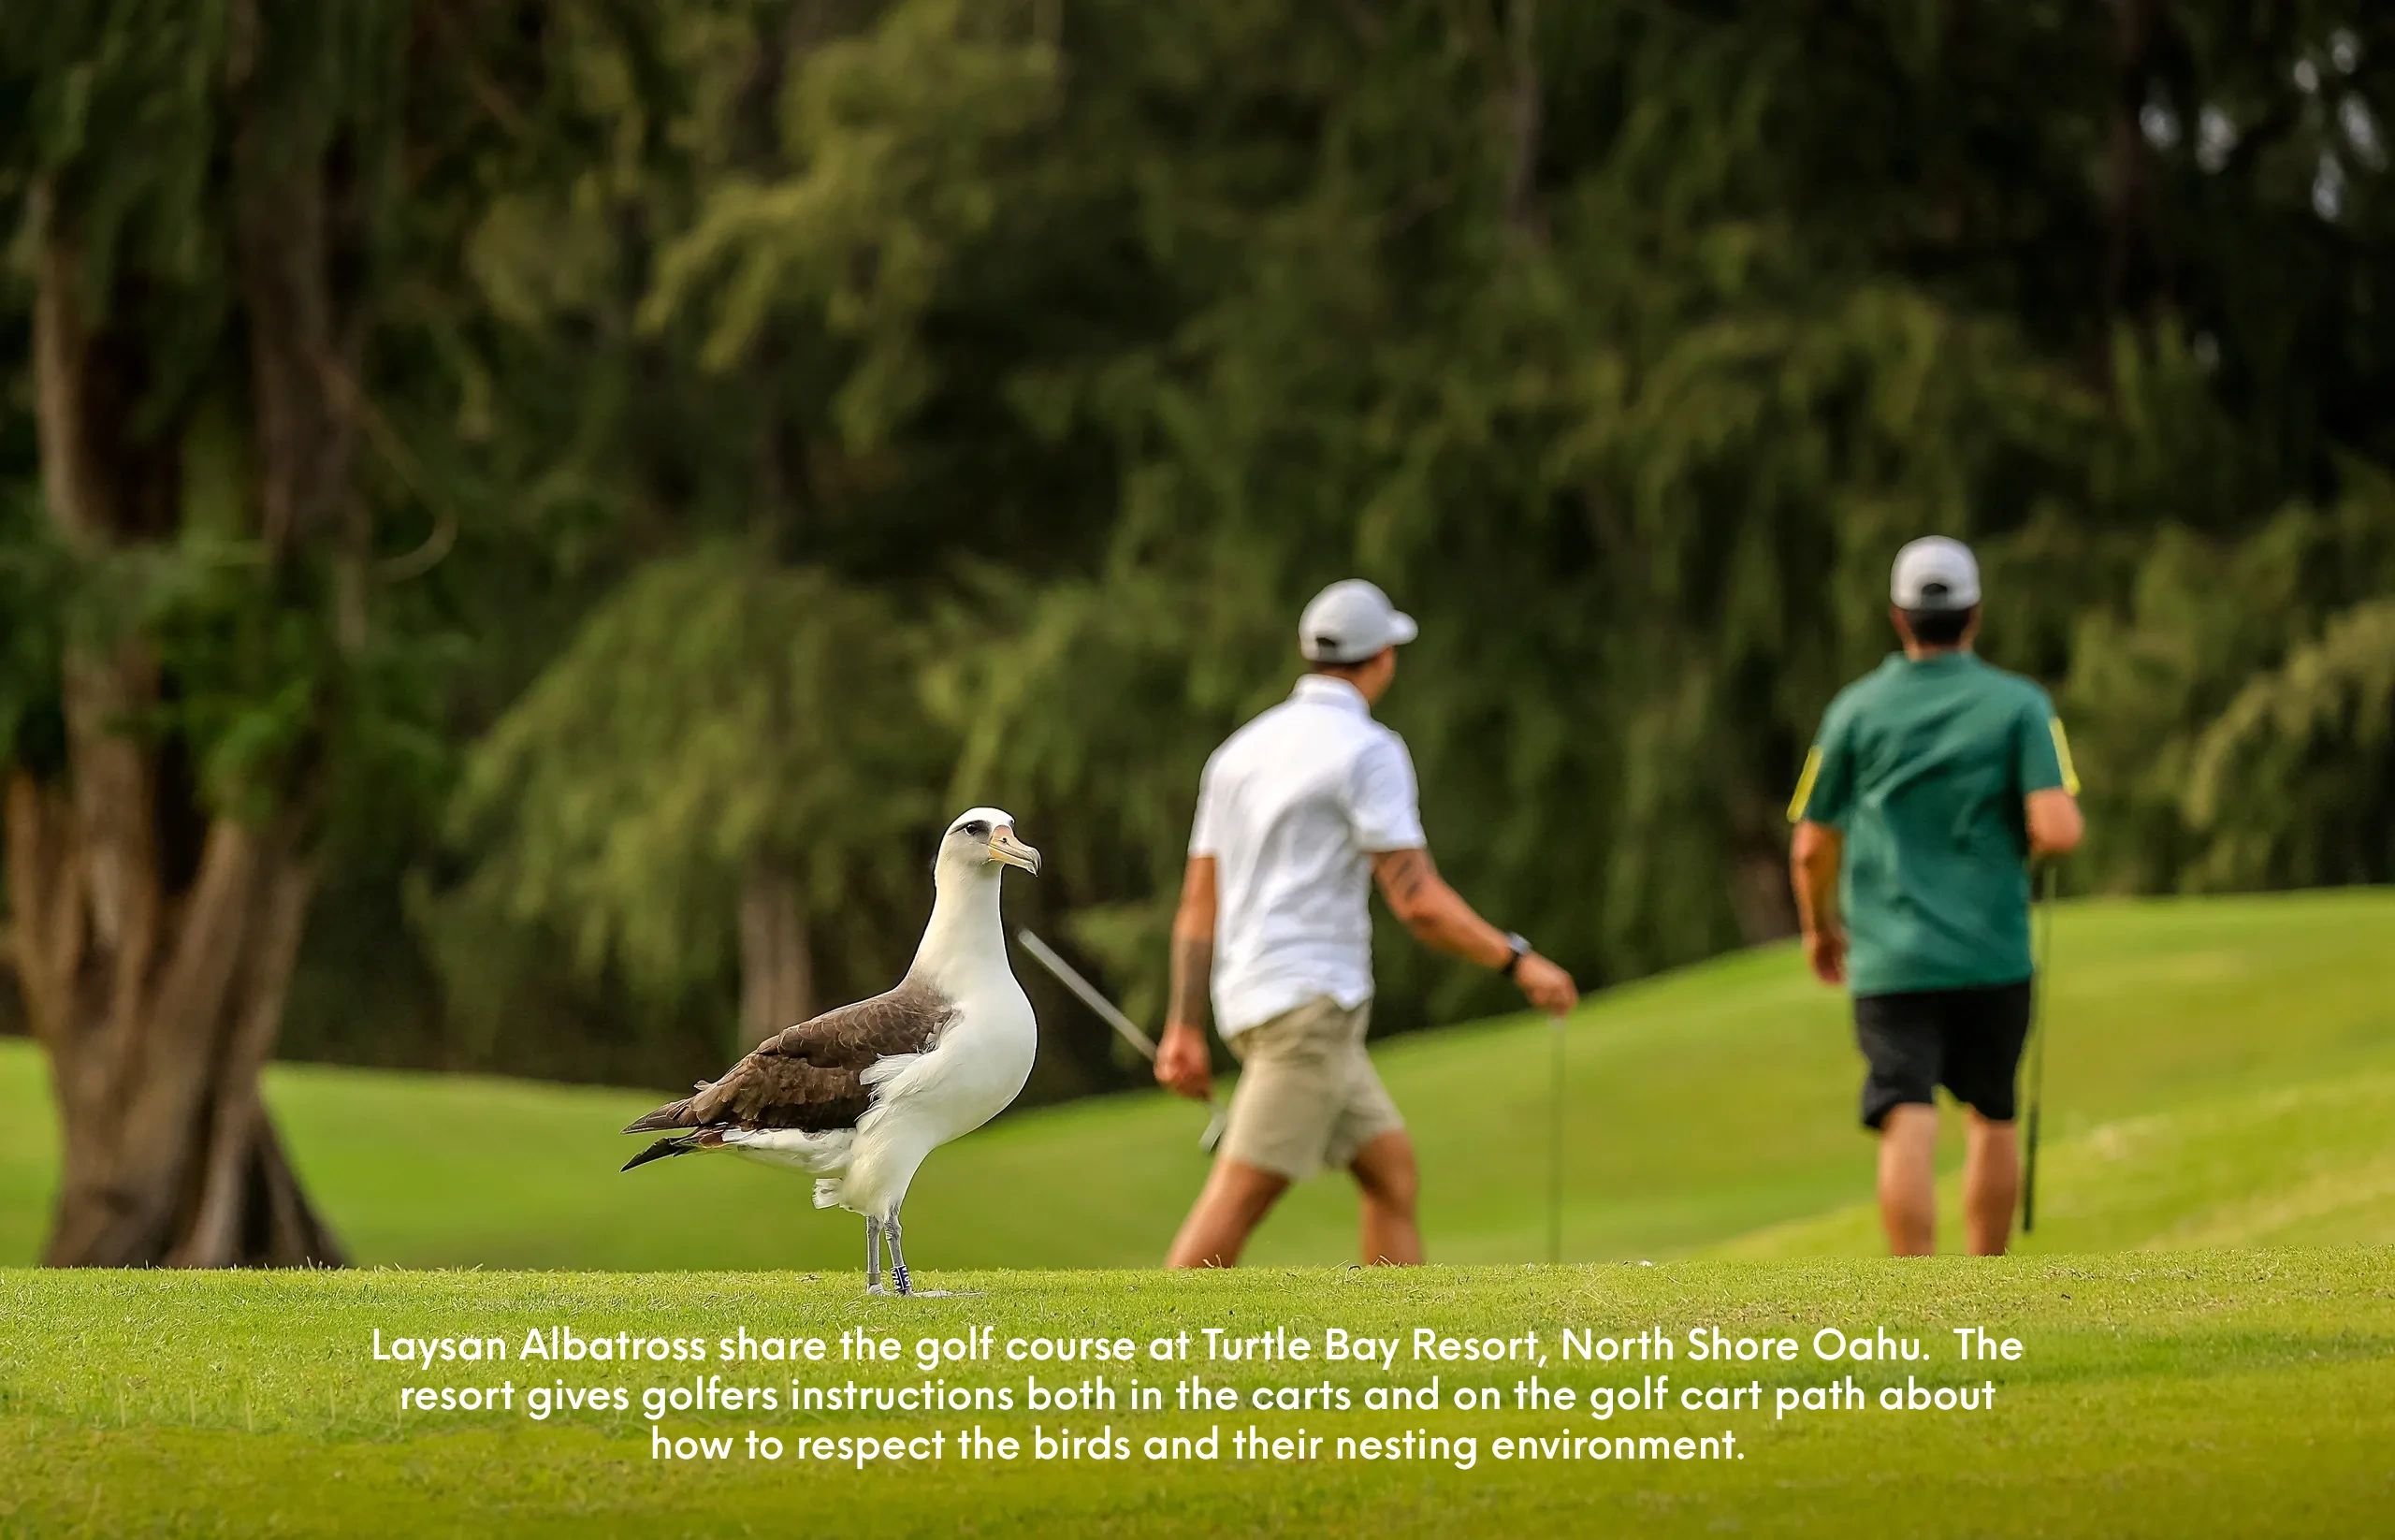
(1349, 621)
(1935, 574)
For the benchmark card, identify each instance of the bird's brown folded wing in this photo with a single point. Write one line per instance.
(811, 1076)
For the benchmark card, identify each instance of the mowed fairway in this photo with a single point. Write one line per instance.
(2199, 1394)
(2221, 1074)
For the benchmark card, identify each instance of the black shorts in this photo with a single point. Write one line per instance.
(1968, 1040)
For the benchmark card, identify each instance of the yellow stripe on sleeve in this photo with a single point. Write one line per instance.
(2062, 754)
(1805, 782)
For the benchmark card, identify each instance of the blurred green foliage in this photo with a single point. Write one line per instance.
(791, 420)
(715, 711)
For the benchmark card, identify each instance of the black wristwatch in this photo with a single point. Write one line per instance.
(1521, 946)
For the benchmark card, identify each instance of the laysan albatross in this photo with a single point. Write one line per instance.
(859, 1095)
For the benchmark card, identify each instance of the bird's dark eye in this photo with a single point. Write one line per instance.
(977, 829)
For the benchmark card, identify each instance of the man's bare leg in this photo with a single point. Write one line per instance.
(1907, 1179)
(1386, 1181)
(1991, 1184)
(1234, 1201)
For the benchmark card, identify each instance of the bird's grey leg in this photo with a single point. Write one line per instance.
(898, 1279)
(873, 1255)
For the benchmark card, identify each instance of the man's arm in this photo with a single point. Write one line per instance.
(1824, 795)
(2055, 824)
(2050, 798)
(1184, 1064)
(1813, 857)
(1439, 918)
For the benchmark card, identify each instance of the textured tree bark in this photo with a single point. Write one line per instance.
(776, 964)
(155, 1011)
(153, 939)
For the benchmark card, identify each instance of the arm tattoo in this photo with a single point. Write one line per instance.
(1406, 872)
(1193, 975)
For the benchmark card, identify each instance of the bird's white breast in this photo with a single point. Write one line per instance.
(988, 1049)
(979, 1065)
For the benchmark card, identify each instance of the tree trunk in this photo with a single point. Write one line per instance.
(153, 941)
(776, 966)
(1761, 900)
(1759, 895)
(156, 1011)
(1525, 118)
(2129, 260)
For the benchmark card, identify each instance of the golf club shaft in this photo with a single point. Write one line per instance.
(2037, 983)
(1555, 1147)
(1069, 975)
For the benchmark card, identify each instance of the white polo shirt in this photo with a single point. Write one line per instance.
(1292, 808)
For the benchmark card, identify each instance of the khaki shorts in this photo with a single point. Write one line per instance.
(1308, 1095)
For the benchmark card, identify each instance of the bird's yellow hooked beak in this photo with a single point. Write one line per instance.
(1006, 848)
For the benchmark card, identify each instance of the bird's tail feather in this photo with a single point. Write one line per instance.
(683, 1144)
(674, 1114)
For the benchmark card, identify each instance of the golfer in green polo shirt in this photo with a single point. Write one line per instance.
(1935, 781)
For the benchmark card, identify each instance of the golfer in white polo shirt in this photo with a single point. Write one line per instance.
(1298, 814)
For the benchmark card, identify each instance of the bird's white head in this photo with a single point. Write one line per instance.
(981, 839)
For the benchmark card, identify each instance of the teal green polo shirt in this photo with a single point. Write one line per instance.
(1923, 767)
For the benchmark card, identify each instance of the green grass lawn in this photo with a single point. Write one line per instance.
(2222, 1073)
(2218, 1393)
(2222, 1077)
